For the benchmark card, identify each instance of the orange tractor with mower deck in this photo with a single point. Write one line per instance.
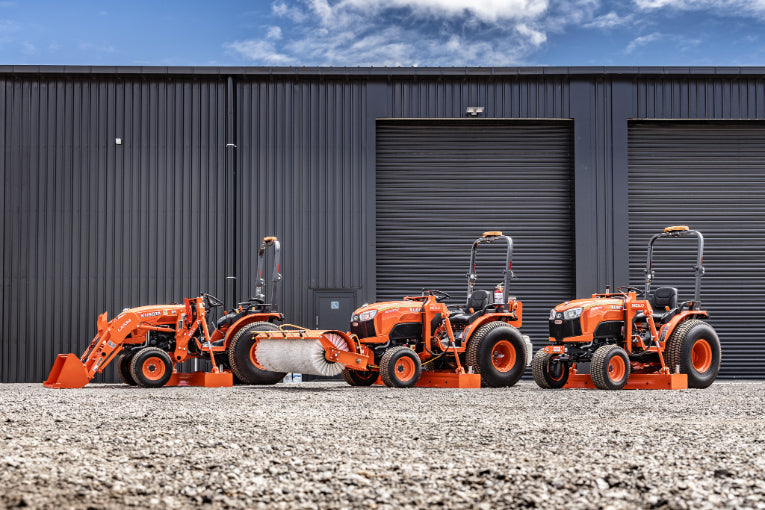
(149, 341)
(631, 341)
(418, 341)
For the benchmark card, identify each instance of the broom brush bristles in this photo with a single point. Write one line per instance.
(298, 356)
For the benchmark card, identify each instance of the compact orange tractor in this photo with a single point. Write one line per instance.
(632, 342)
(416, 341)
(149, 341)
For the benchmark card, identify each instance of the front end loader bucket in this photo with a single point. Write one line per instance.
(67, 372)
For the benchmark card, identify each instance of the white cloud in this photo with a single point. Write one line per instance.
(294, 13)
(610, 20)
(734, 7)
(260, 51)
(642, 41)
(488, 11)
(534, 36)
(27, 48)
(423, 32)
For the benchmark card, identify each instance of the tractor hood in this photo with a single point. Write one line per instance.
(162, 309)
(375, 308)
(588, 303)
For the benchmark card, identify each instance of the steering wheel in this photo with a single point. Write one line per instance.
(626, 289)
(212, 301)
(440, 295)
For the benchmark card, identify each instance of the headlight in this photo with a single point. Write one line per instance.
(573, 313)
(367, 315)
(552, 314)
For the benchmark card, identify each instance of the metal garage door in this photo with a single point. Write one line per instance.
(440, 184)
(712, 178)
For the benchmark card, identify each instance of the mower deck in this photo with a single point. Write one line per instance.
(438, 379)
(204, 379)
(635, 382)
(448, 380)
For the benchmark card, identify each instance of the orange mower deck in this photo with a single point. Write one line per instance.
(635, 382)
(441, 379)
(203, 379)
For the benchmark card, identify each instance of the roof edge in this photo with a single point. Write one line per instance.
(381, 71)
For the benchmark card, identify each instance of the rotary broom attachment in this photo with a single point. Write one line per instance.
(292, 349)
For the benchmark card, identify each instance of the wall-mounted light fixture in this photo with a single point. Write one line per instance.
(474, 111)
(118, 141)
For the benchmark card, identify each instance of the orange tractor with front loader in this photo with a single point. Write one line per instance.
(149, 341)
(633, 338)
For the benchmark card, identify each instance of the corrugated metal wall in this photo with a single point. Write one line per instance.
(302, 177)
(712, 178)
(501, 97)
(89, 225)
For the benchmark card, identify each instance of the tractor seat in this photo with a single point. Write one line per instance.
(229, 319)
(477, 302)
(661, 299)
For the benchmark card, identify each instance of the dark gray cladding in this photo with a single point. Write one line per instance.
(89, 225)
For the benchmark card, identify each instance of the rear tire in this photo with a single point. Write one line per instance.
(151, 367)
(498, 353)
(359, 377)
(610, 367)
(242, 359)
(400, 367)
(123, 368)
(695, 347)
(548, 374)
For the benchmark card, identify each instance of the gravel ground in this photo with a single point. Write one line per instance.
(327, 445)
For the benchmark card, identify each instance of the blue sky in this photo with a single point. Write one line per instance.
(383, 32)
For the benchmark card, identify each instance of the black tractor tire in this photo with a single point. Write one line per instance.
(123, 368)
(610, 367)
(360, 377)
(695, 347)
(242, 364)
(151, 367)
(400, 367)
(497, 352)
(547, 374)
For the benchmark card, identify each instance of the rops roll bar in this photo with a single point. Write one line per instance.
(488, 238)
(698, 269)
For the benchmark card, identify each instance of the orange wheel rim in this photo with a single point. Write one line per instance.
(503, 356)
(404, 368)
(701, 355)
(254, 358)
(616, 369)
(153, 368)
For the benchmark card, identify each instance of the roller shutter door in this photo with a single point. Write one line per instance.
(712, 178)
(440, 184)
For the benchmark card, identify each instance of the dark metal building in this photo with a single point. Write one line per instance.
(127, 186)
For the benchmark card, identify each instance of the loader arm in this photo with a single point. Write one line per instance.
(71, 372)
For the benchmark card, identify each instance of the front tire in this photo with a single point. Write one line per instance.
(360, 377)
(610, 367)
(241, 356)
(400, 367)
(151, 367)
(695, 347)
(547, 372)
(497, 352)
